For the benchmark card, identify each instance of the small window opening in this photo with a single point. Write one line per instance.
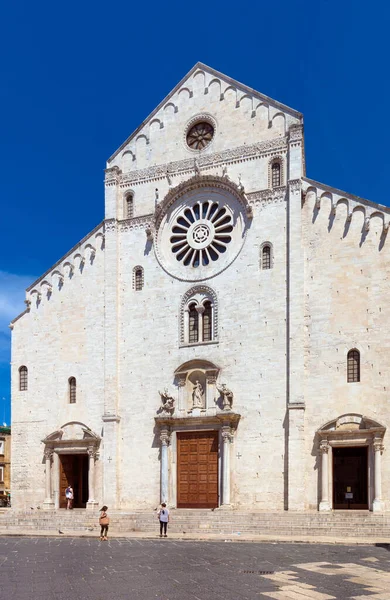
(72, 390)
(353, 366)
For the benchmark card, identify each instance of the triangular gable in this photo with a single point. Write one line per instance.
(210, 77)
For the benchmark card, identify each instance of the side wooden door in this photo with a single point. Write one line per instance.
(197, 469)
(66, 475)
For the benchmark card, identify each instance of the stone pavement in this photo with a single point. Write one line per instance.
(61, 568)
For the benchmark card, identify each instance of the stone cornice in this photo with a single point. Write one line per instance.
(115, 176)
(226, 418)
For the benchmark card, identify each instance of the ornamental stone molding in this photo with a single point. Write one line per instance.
(274, 196)
(199, 293)
(334, 200)
(198, 119)
(195, 183)
(114, 176)
(145, 222)
(295, 185)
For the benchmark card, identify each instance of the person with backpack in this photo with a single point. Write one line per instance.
(104, 522)
(163, 516)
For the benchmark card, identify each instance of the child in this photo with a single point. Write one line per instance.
(104, 522)
(163, 516)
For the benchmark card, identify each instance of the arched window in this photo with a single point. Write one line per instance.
(199, 316)
(207, 322)
(129, 206)
(275, 174)
(138, 278)
(353, 366)
(23, 379)
(72, 390)
(193, 330)
(266, 256)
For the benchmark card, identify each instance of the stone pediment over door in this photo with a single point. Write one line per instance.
(72, 437)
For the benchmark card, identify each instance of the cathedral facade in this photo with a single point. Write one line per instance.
(220, 340)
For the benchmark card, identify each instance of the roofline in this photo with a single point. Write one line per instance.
(200, 65)
(329, 188)
(84, 239)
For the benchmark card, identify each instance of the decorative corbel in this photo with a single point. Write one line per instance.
(367, 224)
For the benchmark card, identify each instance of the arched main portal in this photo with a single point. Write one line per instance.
(197, 427)
(351, 473)
(70, 454)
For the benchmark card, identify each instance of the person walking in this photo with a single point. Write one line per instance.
(69, 497)
(163, 516)
(104, 522)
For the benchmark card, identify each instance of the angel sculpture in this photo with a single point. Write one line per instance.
(227, 397)
(167, 401)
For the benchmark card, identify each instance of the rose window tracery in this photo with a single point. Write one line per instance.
(200, 135)
(201, 233)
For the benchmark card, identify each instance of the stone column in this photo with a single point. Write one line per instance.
(200, 311)
(211, 380)
(48, 502)
(227, 438)
(324, 449)
(186, 317)
(378, 449)
(182, 392)
(56, 480)
(92, 503)
(164, 437)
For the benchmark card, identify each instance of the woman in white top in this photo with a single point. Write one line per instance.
(163, 516)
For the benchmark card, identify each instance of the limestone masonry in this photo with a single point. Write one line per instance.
(221, 339)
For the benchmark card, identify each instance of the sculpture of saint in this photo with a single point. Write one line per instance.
(197, 395)
(227, 397)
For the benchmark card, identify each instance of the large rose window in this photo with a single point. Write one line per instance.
(201, 233)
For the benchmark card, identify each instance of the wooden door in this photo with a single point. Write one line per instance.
(74, 472)
(197, 470)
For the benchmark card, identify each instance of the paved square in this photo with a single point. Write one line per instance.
(64, 568)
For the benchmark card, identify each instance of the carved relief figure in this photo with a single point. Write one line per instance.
(227, 397)
(197, 395)
(167, 401)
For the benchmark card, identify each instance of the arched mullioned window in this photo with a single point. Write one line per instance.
(129, 206)
(23, 379)
(207, 321)
(275, 174)
(199, 316)
(266, 256)
(138, 278)
(353, 366)
(193, 321)
(72, 390)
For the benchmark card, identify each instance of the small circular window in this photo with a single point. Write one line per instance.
(201, 233)
(200, 135)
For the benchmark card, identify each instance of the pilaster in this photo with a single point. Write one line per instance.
(295, 325)
(110, 416)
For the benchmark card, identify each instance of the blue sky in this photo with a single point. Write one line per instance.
(78, 77)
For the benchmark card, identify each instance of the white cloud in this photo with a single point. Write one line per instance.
(12, 295)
